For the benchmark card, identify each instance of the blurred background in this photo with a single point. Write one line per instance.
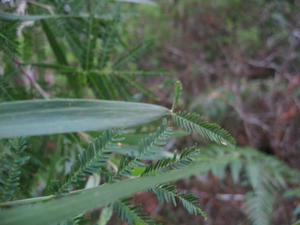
(238, 61)
(239, 65)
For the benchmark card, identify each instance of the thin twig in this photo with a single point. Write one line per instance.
(33, 82)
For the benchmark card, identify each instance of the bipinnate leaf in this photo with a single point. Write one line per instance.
(192, 122)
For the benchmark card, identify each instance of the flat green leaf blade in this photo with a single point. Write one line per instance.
(56, 210)
(37, 117)
(13, 16)
(146, 2)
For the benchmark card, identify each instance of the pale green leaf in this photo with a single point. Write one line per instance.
(105, 215)
(37, 117)
(146, 2)
(13, 16)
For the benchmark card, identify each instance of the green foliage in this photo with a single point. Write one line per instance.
(131, 213)
(75, 202)
(8, 39)
(146, 144)
(84, 48)
(94, 159)
(187, 156)
(177, 95)
(89, 162)
(193, 123)
(168, 193)
(11, 170)
(267, 177)
(91, 39)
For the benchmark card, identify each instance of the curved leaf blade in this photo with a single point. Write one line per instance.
(56, 210)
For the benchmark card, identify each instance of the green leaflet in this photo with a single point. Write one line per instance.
(11, 180)
(89, 162)
(54, 44)
(157, 139)
(131, 213)
(37, 117)
(192, 122)
(177, 94)
(168, 193)
(70, 205)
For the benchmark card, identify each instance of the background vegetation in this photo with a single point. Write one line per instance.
(238, 62)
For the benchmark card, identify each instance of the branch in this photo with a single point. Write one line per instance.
(34, 83)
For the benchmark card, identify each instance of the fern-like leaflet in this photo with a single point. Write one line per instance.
(192, 122)
(90, 161)
(132, 214)
(11, 173)
(168, 193)
(157, 138)
(187, 156)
